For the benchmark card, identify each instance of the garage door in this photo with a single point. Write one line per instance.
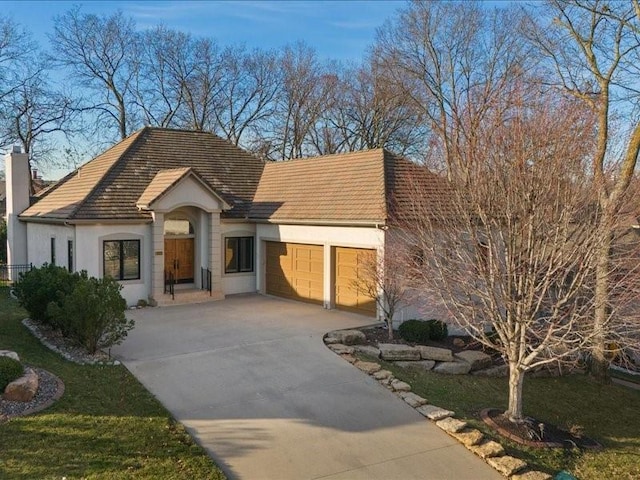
(295, 271)
(349, 266)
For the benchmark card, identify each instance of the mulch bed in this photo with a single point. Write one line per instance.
(536, 433)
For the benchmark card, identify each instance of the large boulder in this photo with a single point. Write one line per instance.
(422, 365)
(452, 368)
(341, 349)
(478, 360)
(367, 350)
(435, 353)
(349, 337)
(394, 352)
(367, 367)
(22, 389)
(10, 354)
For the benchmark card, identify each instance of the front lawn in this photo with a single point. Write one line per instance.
(609, 414)
(105, 426)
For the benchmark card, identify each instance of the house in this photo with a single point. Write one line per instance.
(191, 208)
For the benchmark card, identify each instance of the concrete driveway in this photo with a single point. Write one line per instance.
(251, 379)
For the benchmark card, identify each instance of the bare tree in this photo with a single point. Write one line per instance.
(34, 111)
(592, 48)
(380, 277)
(511, 254)
(15, 45)
(202, 84)
(452, 60)
(305, 87)
(165, 65)
(101, 55)
(251, 81)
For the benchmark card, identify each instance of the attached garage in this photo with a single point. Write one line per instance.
(349, 266)
(295, 271)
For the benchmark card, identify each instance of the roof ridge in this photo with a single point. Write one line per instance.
(327, 156)
(135, 136)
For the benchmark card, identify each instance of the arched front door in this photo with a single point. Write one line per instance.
(179, 251)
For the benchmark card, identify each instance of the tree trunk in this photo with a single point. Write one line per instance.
(389, 321)
(516, 380)
(599, 365)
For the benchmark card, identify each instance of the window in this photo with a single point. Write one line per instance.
(238, 254)
(70, 255)
(122, 259)
(53, 251)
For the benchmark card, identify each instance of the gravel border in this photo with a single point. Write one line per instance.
(54, 341)
(50, 389)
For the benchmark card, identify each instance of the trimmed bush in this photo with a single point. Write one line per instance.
(438, 330)
(93, 313)
(10, 370)
(39, 287)
(415, 331)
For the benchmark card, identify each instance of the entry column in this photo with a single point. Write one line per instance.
(157, 264)
(215, 254)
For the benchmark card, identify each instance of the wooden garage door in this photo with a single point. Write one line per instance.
(295, 271)
(349, 265)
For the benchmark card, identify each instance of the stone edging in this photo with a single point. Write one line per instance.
(490, 451)
(29, 324)
(46, 404)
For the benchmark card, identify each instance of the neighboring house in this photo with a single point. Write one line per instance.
(168, 202)
(38, 186)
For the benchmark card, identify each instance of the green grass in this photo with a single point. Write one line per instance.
(608, 413)
(105, 426)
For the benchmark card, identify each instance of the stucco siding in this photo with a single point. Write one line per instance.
(89, 240)
(39, 243)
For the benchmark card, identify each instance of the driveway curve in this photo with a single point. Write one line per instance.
(254, 384)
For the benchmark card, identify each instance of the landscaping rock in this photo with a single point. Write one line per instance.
(10, 354)
(329, 340)
(412, 399)
(478, 360)
(507, 465)
(451, 425)
(435, 353)
(458, 342)
(367, 367)
(349, 337)
(423, 365)
(22, 389)
(382, 374)
(387, 381)
(434, 413)
(393, 352)
(469, 437)
(367, 350)
(400, 386)
(341, 349)
(495, 371)
(531, 475)
(452, 368)
(488, 449)
(349, 358)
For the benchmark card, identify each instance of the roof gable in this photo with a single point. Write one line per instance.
(169, 181)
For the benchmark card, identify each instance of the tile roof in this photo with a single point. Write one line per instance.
(344, 187)
(109, 186)
(370, 186)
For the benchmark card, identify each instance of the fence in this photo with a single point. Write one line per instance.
(9, 274)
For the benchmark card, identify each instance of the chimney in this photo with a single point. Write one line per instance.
(17, 177)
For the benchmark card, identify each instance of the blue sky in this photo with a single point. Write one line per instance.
(340, 30)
